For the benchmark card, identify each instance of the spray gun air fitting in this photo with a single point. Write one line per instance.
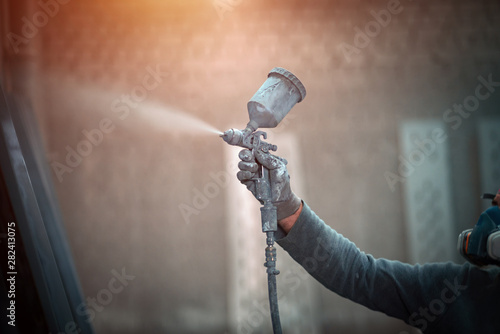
(269, 105)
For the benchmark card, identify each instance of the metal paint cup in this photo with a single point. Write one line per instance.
(275, 98)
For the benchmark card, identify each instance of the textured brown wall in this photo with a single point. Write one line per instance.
(121, 202)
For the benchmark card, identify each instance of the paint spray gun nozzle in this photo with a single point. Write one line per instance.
(233, 137)
(239, 137)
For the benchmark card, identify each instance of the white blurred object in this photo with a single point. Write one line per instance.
(425, 167)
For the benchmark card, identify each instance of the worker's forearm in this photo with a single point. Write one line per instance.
(287, 223)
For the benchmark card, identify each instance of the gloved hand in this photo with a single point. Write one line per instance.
(283, 198)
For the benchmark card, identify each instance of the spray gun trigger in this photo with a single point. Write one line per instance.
(260, 133)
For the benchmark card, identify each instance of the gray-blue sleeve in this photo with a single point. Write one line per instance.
(436, 297)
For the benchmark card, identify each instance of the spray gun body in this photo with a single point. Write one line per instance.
(246, 138)
(269, 105)
(251, 139)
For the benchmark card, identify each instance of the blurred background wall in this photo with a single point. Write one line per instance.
(111, 83)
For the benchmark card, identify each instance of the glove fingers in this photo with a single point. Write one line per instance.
(268, 160)
(244, 176)
(250, 186)
(248, 166)
(246, 155)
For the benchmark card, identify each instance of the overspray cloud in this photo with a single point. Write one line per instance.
(173, 121)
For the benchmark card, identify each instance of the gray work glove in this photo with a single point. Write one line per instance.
(286, 202)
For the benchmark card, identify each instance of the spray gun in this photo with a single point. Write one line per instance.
(269, 105)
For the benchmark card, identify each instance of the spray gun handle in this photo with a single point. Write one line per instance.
(263, 193)
(251, 139)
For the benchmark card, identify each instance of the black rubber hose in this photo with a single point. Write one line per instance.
(271, 283)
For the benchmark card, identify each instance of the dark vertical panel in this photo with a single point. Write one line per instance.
(38, 222)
